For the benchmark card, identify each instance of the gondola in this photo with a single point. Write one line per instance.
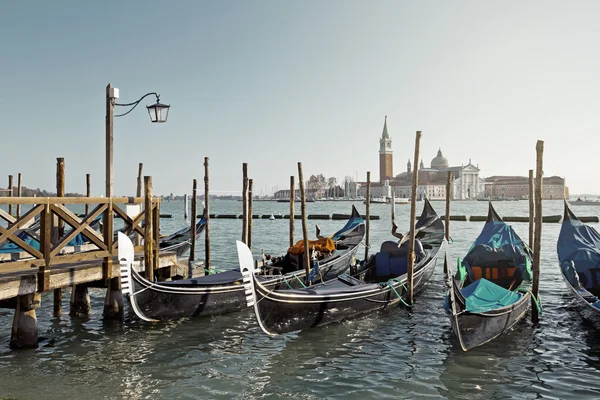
(223, 292)
(578, 251)
(491, 289)
(379, 283)
(180, 241)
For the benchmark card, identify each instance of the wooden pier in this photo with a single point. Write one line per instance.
(28, 273)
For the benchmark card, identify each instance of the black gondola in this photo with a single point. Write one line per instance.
(180, 241)
(491, 289)
(578, 251)
(379, 283)
(223, 292)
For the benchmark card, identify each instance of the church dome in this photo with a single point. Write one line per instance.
(439, 162)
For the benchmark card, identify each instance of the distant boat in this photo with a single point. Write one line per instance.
(272, 217)
(580, 202)
(388, 200)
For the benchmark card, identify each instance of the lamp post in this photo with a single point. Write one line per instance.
(158, 113)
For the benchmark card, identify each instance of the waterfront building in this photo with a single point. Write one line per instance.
(517, 187)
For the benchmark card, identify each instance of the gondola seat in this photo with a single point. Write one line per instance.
(392, 261)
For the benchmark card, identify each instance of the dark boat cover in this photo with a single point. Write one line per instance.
(579, 244)
(497, 243)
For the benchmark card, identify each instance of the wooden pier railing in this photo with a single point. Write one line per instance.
(52, 212)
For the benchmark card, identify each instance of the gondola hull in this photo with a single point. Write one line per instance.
(588, 312)
(476, 329)
(167, 301)
(288, 311)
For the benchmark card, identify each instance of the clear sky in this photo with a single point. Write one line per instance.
(272, 83)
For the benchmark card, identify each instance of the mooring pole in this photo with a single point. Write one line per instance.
(250, 182)
(413, 217)
(10, 192)
(193, 227)
(292, 198)
(19, 192)
(531, 209)
(306, 257)
(245, 203)
(448, 197)
(207, 219)
(138, 191)
(185, 206)
(148, 234)
(368, 221)
(59, 229)
(537, 250)
(88, 191)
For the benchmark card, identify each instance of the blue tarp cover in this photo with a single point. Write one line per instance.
(581, 243)
(483, 295)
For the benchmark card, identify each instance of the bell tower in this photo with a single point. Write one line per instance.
(385, 154)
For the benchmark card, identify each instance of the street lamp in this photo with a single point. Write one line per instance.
(158, 113)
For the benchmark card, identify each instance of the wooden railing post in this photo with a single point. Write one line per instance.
(45, 248)
(148, 236)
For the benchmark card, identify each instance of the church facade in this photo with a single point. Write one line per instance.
(466, 183)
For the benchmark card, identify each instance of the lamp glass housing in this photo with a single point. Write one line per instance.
(158, 112)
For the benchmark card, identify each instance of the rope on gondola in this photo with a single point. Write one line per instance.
(391, 285)
(537, 301)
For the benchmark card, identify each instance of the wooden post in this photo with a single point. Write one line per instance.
(156, 233)
(207, 216)
(249, 232)
(413, 217)
(138, 191)
(537, 250)
(148, 234)
(393, 206)
(306, 258)
(368, 221)
(88, 191)
(19, 192)
(24, 328)
(531, 209)
(59, 227)
(10, 192)
(193, 225)
(185, 206)
(448, 197)
(245, 203)
(292, 198)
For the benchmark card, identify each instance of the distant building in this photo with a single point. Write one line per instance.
(466, 183)
(517, 187)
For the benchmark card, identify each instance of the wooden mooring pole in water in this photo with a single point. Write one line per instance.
(292, 199)
(413, 216)
(193, 227)
(537, 249)
(88, 191)
(448, 198)
(245, 203)
(10, 192)
(19, 192)
(531, 209)
(249, 215)
(368, 221)
(148, 234)
(207, 219)
(306, 257)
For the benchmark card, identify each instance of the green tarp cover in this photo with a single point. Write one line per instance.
(483, 295)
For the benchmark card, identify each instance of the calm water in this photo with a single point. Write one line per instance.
(397, 353)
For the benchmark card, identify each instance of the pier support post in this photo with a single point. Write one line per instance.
(113, 302)
(80, 301)
(24, 328)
